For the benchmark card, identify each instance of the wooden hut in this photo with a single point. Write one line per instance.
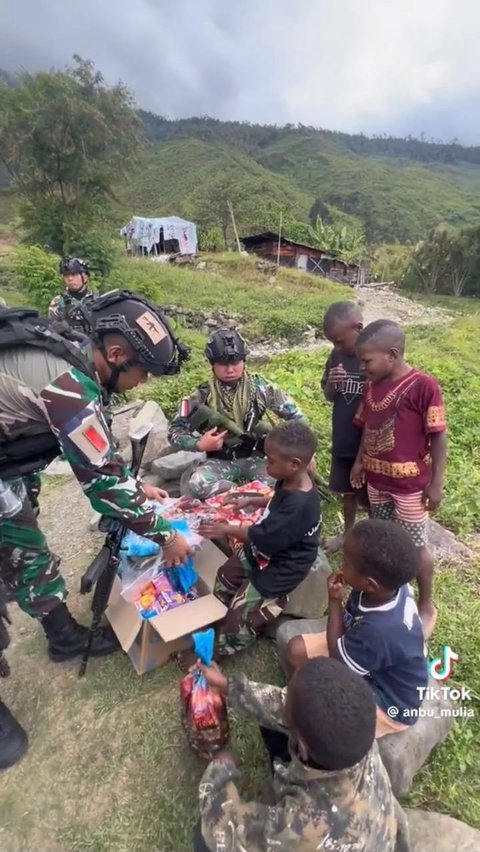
(303, 257)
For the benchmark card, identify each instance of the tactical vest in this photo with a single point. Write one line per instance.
(24, 327)
(77, 313)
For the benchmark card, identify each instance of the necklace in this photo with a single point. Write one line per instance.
(390, 396)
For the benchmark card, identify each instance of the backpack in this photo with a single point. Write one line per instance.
(24, 327)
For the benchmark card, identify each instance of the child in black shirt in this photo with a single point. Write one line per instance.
(279, 550)
(342, 384)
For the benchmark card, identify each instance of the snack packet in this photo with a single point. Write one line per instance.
(204, 711)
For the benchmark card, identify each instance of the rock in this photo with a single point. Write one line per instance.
(310, 598)
(432, 832)
(272, 279)
(158, 439)
(172, 466)
(445, 545)
(201, 265)
(405, 753)
(94, 521)
(310, 335)
(151, 479)
(121, 422)
(58, 467)
(287, 630)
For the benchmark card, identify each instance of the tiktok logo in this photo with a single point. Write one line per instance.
(441, 668)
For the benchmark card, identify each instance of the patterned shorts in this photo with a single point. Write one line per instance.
(407, 510)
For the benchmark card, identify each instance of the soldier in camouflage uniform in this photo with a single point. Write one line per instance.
(331, 789)
(50, 403)
(241, 397)
(74, 305)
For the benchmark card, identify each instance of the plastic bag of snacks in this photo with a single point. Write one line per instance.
(204, 711)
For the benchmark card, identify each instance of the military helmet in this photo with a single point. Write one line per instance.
(74, 266)
(226, 345)
(144, 326)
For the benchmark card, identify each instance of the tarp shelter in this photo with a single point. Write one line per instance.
(158, 236)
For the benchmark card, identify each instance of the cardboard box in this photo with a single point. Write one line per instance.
(149, 643)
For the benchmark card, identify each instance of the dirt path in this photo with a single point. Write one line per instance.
(376, 303)
(386, 302)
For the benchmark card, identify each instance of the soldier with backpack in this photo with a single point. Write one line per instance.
(53, 388)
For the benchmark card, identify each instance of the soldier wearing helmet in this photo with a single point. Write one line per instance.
(52, 394)
(245, 400)
(73, 306)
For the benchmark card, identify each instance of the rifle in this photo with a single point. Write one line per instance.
(102, 570)
(204, 417)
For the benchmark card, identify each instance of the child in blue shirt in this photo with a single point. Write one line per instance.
(378, 634)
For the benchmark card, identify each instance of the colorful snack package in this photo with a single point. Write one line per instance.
(204, 711)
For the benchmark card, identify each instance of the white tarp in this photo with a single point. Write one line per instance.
(145, 232)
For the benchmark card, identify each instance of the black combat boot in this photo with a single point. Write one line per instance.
(13, 739)
(67, 638)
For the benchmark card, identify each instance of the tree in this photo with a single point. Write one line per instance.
(347, 244)
(319, 210)
(210, 208)
(429, 264)
(65, 138)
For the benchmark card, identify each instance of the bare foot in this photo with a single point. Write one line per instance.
(333, 543)
(428, 616)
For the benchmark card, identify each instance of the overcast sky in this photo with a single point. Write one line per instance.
(394, 66)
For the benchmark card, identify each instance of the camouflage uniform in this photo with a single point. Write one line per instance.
(350, 810)
(38, 390)
(222, 470)
(248, 612)
(66, 308)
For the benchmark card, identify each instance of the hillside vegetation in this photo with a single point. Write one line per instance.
(397, 188)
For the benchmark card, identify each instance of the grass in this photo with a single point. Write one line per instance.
(108, 769)
(279, 306)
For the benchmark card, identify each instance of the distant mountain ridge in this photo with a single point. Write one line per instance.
(396, 189)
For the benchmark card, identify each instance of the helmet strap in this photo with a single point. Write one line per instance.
(115, 371)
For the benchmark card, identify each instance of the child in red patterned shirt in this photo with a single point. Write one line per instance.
(403, 448)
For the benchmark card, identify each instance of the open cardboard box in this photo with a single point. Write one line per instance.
(149, 643)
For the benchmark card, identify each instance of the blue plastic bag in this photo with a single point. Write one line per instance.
(137, 546)
(184, 577)
(203, 645)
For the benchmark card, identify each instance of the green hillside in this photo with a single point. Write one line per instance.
(395, 189)
(395, 199)
(171, 174)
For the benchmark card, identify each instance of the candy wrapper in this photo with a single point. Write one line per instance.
(204, 711)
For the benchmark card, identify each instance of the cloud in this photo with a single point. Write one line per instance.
(395, 66)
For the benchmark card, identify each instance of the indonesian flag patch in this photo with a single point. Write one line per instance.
(185, 408)
(92, 439)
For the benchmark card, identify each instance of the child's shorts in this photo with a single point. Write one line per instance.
(316, 646)
(408, 510)
(339, 482)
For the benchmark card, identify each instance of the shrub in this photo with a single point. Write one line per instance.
(35, 271)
